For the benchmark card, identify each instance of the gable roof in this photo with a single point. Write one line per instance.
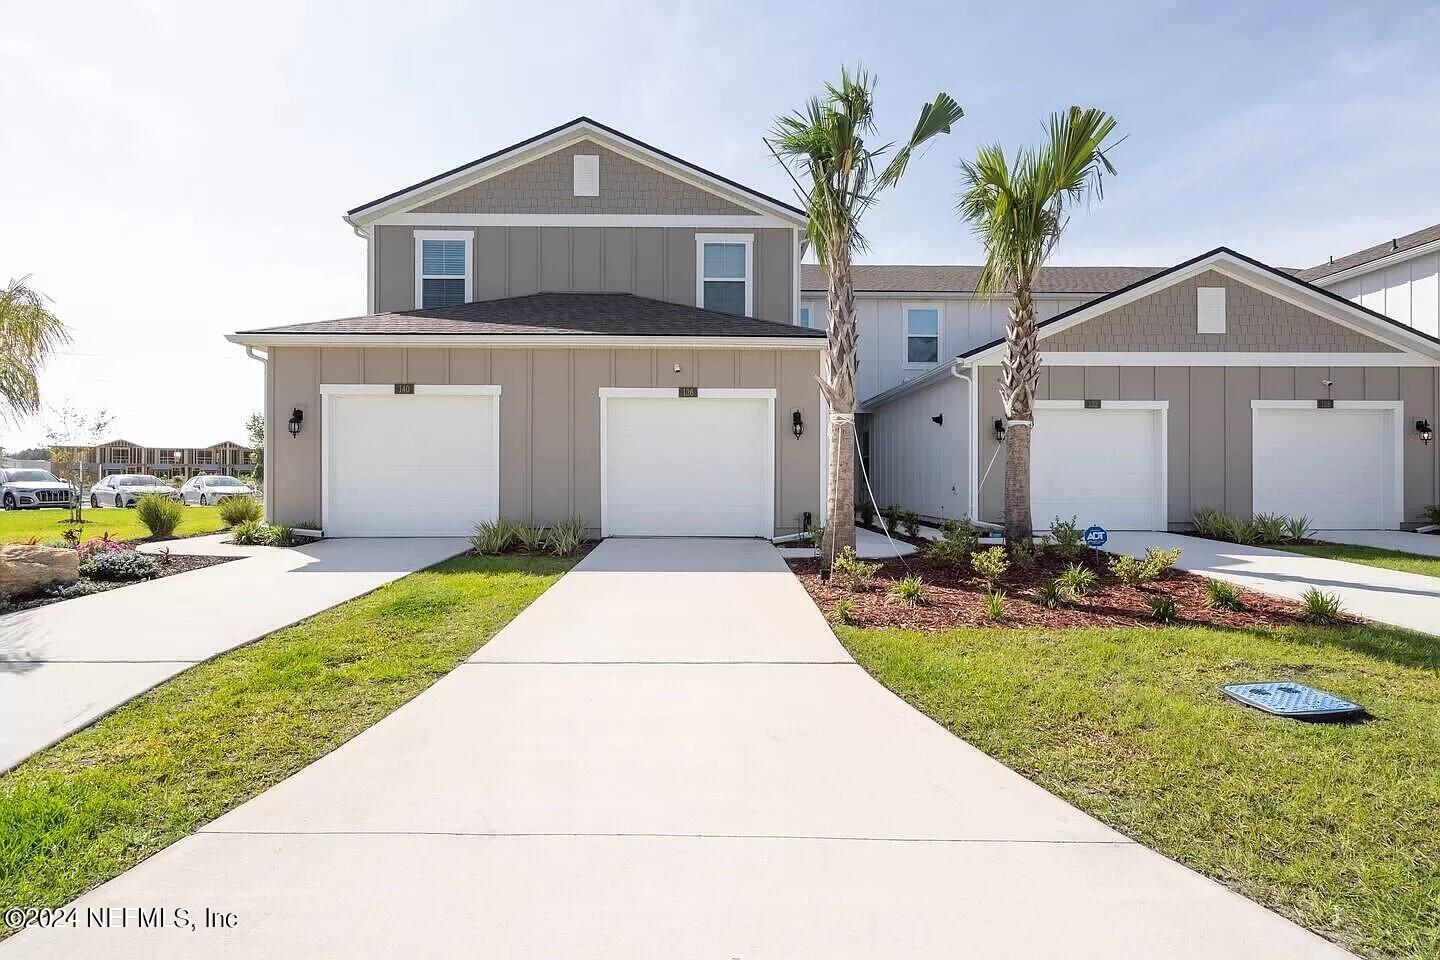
(545, 314)
(557, 137)
(917, 278)
(1410, 243)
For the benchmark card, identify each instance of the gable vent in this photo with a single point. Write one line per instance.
(1209, 309)
(587, 175)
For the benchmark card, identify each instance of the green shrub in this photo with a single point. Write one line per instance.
(1133, 571)
(1222, 595)
(1078, 579)
(1236, 529)
(1053, 594)
(1269, 528)
(909, 590)
(565, 537)
(492, 536)
(282, 536)
(1432, 513)
(159, 514)
(1207, 522)
(1162, 607)
(856, 574)
(529, 536)
(843, 613)
(251, 533)
(891, 516)
(958, 540)
(235, 510)
(1322, 607)
(1297, 529)
(867, 513)
(118, 566)
(1022, 554)
(990, 564)
(1161, 560)
(816, 533)
(1068, 538)
(910, 522)
(995, 604)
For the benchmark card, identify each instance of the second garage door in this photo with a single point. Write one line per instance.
(1338, 467)
(1104, 466)
(675, 466)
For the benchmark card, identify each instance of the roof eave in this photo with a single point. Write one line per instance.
(264, 338)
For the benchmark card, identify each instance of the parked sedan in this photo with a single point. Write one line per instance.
(123, 489)
(205, 489)
(32, 489)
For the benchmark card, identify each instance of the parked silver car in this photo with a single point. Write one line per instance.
(27, 489)
(204, 489)
(123, 489)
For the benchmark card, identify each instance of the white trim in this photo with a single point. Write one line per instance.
(1105, 404)
(905, 334)
(1162, 409)
(702, 393)
(1396, 409)
(1084, 296)
(1210, 316)
(795, 274)
(599, 341)
(748, 241)
(974, 400)
(803, 321)
(1380, 263)
(587, 174)
(329, 391)
(1076, 358)
(466, 236)
(703, 220)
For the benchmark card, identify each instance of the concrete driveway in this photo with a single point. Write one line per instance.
(669, 755)
(64, 665)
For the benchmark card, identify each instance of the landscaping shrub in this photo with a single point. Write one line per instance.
(251, 533)
(1322, 607)
(492, 536)
(101, 544)
(565, 537)
(867, 513)
(235, 510)
(1269, 527)
(844, 613)
(118, 565)
(1297, 529)
(958, 540)
(1207, 523)
(1236, 530)
(1078, 579)
(995, 604)
(891, 516)
(1134, 571)
(990, 564)
(1223, 595)
(909, 591)
(282, 536)
(1053, 594)
(1068, 538)
(816, 533)
(1022, 554)
(856, 574)
(910, 521)
(159, 514)
(1161, 560)
(529, 536)
(1432, 513)
(1162, 607)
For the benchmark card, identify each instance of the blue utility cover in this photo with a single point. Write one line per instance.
(1096, 537)
(1292, 700)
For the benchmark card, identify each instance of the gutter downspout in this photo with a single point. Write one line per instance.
(267, 461)
(368, 235)
(974, 453)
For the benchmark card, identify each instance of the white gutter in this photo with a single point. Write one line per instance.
(1369, 266)
(263, 339)
(268, 462)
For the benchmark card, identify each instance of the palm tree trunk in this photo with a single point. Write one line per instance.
(838, 385)
(1019, 378)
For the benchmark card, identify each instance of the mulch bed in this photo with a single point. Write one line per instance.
(955, 597)
(176, 564)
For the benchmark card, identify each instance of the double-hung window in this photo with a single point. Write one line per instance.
(922, 335)
(442, 268)
(724, 272)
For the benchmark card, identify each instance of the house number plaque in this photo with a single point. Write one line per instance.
(689, 391)
(404, 388)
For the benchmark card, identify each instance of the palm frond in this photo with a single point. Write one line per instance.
(29, 333)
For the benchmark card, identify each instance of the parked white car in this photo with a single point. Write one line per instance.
(205, 489)
(123, 489)
(27, 489)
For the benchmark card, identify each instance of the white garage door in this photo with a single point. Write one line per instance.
(422, 465)
(687, 466)
(1103, 467)
(1338, 467)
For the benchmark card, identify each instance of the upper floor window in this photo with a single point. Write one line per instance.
(442, 268)
(723, 272)
(922, 335)
(805, 316)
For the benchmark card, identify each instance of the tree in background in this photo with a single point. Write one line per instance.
(29, 333)
(255, 430)
(1019, 210)
(823, 147)
(72, 434)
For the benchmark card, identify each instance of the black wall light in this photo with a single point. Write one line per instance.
(999, 431)
(797, 424)
(1422, 427)
(938, 419)
(297, 417)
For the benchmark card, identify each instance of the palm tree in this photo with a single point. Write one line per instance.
(836, 173)
(1019, 210)
(29, 333)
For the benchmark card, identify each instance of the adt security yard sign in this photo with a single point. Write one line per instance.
(1096, 537)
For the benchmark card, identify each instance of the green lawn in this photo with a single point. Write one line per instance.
(1370, 556)
(176, 758)
(1336, 826)
(121, 524)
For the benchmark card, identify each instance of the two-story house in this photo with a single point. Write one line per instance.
(1399, 278)
(580, 325)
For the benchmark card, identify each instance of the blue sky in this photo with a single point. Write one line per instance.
(184, 166)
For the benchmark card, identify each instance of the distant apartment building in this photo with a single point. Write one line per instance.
(122, 456)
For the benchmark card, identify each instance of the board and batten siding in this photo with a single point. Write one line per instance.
(1407, 292)
(549, 416)
(1210, 425)
(917, 463)
(654, 262)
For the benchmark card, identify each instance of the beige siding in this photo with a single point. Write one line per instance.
(1210, 423)
(549, 416)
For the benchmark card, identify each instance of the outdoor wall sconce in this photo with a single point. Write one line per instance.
(999, 431)
(297, 417)
(1422, 427)
(938, 419)
(797, 424)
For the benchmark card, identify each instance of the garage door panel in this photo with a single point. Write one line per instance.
(421, 465)
(1336, 467)
(688, 467)
(1101, 466)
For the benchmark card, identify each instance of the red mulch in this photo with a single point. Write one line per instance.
(956, 598)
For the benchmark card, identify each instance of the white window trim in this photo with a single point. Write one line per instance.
(329, 391)
(703, 393)
(800, 318)
(748, 239)
(905, 309)
(468, 236)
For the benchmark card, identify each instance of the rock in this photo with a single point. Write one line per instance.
(26, 569)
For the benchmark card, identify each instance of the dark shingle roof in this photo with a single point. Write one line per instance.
(870, 278)
(1377, 252)
(542, 314)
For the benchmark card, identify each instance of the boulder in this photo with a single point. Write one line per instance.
(27, 569)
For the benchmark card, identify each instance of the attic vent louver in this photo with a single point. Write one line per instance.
(587, 175)
(1209, 309)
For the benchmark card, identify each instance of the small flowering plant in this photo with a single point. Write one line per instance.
(101, 544)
